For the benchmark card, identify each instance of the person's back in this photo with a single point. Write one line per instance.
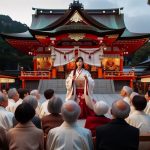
(25, 136)
(117, 135)
(69, 136)
(73, 137)
(139, 118)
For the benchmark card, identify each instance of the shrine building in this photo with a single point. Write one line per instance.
(57, 37)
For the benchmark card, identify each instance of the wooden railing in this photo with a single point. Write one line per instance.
(119, 74)
(35, 74)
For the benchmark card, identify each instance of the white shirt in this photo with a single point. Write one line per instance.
(43, 109)
(140, 120)
(69, 137)
(127, 100)
(12, 107)
(6, 118)
(9, 107)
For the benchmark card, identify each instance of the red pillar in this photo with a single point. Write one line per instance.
(35, 64)
(121, 62)
(131, 83)
(23, 84)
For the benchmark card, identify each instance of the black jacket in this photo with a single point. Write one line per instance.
(117, 135)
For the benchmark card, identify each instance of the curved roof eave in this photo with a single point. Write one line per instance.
(130, 35)
(69, 13)
(65, 31)
(24, 35)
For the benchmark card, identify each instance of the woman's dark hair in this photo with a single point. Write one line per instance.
(79, 58)
(139, 102)
(24, 113)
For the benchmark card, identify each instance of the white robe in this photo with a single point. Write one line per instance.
(88, 86)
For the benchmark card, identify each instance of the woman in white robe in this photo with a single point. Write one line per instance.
(80, 86)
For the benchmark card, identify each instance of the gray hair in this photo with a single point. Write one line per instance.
(120, 109)
(54, 105)
(127, 89)
(70, 111)
(101, 108)
(34, 92)
(12, 92)
(31, 100)
(3, 97)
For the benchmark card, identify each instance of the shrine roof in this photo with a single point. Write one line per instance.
(24, 35)
(77, 28)
(130, 35)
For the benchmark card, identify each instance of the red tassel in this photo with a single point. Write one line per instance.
(89, 56)
(64, 55)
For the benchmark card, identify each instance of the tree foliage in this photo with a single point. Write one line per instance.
(11, 58)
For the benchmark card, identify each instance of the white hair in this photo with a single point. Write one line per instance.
(71, 115)
(120, 113)
(12, 92)
(54, 105)
(128, 90)
(34, 92)
(31, 100)
(101, 108)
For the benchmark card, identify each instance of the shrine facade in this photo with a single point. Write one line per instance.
(57, 37)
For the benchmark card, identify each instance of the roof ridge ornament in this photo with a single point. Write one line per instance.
(76, 5)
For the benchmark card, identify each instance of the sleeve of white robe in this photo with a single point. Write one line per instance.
(71, 92)
(88, 90)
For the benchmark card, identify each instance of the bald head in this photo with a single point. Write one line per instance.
(120, 109)
(70, 111)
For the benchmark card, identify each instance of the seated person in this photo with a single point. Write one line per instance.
(117, 135)
(139, 118)
(25, 136)
(100, 109)
(48, 94)
(69, 135)
(54, 119)
(3, 139)
(125, 93)
(33, 102)
(147, 109)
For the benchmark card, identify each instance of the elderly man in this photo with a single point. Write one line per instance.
(125, 93)
(138, 118)
(6, 118)
(117, 135)
(13, 100)
(69, 135)
(38, 97)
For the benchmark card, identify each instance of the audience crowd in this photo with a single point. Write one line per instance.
(26, 124)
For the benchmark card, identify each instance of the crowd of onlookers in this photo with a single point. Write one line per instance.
(26, 124)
